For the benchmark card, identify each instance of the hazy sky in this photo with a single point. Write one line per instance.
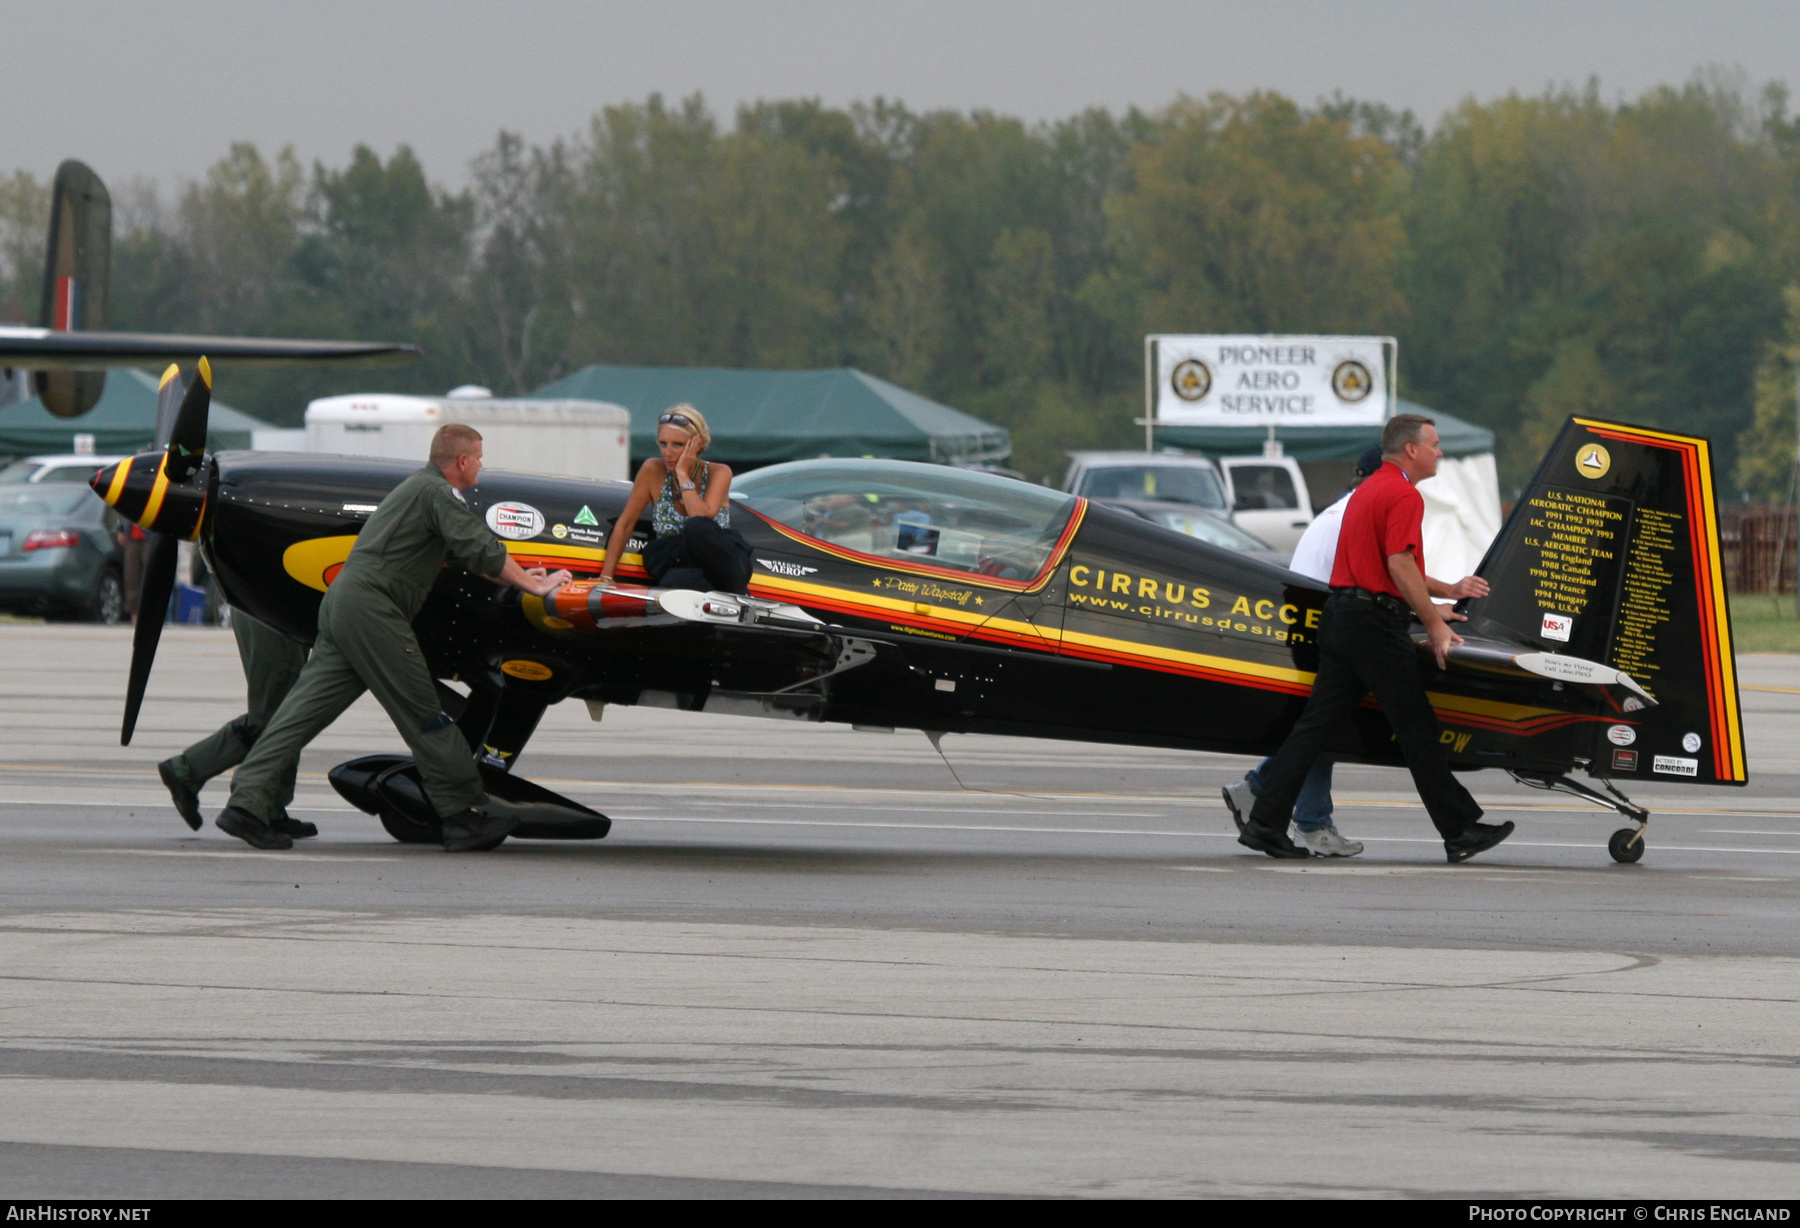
(160, 89)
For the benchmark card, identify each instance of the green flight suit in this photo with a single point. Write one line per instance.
(366, 642)
(271, 663)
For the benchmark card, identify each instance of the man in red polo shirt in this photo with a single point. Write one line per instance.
(1378, 584)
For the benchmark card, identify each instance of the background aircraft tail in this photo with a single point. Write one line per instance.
(77, 282)
(1612, 555)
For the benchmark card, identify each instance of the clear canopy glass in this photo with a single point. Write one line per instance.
(953, 518)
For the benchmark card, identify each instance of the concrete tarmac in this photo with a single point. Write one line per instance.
(816, 962)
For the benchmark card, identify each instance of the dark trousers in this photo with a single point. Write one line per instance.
(364, 644)
(703, 555)
(271, 662)
(1364, 648)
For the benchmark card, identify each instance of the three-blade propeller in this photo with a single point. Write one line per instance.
(181, 414)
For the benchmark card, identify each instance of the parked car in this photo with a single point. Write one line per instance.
(1209, 526)
(1263, 495)
(1170, 477)
(59, 544)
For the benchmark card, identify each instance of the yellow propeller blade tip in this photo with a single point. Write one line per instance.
(173, 371)
(206, 371)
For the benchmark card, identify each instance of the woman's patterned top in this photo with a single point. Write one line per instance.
(667, 514)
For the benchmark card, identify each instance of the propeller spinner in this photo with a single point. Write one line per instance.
(163, 493)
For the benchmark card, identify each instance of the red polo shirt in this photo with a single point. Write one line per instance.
(1383, 519)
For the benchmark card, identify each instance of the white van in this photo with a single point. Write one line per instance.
(585, 439)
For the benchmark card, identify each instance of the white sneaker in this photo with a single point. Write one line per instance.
(1329, 842)
(1239, 800)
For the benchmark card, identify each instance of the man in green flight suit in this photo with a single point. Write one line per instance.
(272, 662)
(366, 642)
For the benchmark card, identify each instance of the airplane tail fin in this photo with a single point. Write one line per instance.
(1612, 555)
(77, 282)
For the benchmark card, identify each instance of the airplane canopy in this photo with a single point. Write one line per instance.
(952, 518)
(122, 422)
(764, 417)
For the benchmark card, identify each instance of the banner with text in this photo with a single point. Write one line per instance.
(1253, 381)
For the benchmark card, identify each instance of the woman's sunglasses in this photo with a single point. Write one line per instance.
(675, 420)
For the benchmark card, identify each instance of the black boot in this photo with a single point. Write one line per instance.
(1476, 838)
(474, 831)
(187, 801)
(296, 828)
(251, 830)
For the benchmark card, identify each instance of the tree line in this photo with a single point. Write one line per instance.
(1536, 256)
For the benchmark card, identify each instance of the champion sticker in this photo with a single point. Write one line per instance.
(1690, 742)
(1673, 765)
(515, 521)
(1622, 735)
(1592, 461)
(1558, 626)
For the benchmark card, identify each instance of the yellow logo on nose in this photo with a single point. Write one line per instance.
(1592, 461)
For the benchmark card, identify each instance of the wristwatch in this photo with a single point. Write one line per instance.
(687, 486)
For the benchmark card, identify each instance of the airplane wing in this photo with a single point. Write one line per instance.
(44, 349)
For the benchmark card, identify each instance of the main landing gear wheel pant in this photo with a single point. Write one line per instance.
(365, 643)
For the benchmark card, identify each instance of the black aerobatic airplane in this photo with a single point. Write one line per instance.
(894, 594)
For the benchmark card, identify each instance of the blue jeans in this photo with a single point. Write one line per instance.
(1312, 810)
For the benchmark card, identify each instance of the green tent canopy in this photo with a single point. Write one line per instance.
(1323, 443)
(123, 422)
(763, 417)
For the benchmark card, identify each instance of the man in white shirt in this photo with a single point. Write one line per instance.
(1313, 558)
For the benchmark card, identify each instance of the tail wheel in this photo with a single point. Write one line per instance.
(408, 831)
(1626, 845)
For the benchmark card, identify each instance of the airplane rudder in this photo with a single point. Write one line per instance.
(1612, 555)
(77, 289)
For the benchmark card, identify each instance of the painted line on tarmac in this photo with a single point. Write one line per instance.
(157, 804)
(1170, 799)
(890, 824)
(1097, 814)
(289, 855)
(1124, 831)
(1361, 802)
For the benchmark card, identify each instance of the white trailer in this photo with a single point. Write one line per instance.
(584, 439)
